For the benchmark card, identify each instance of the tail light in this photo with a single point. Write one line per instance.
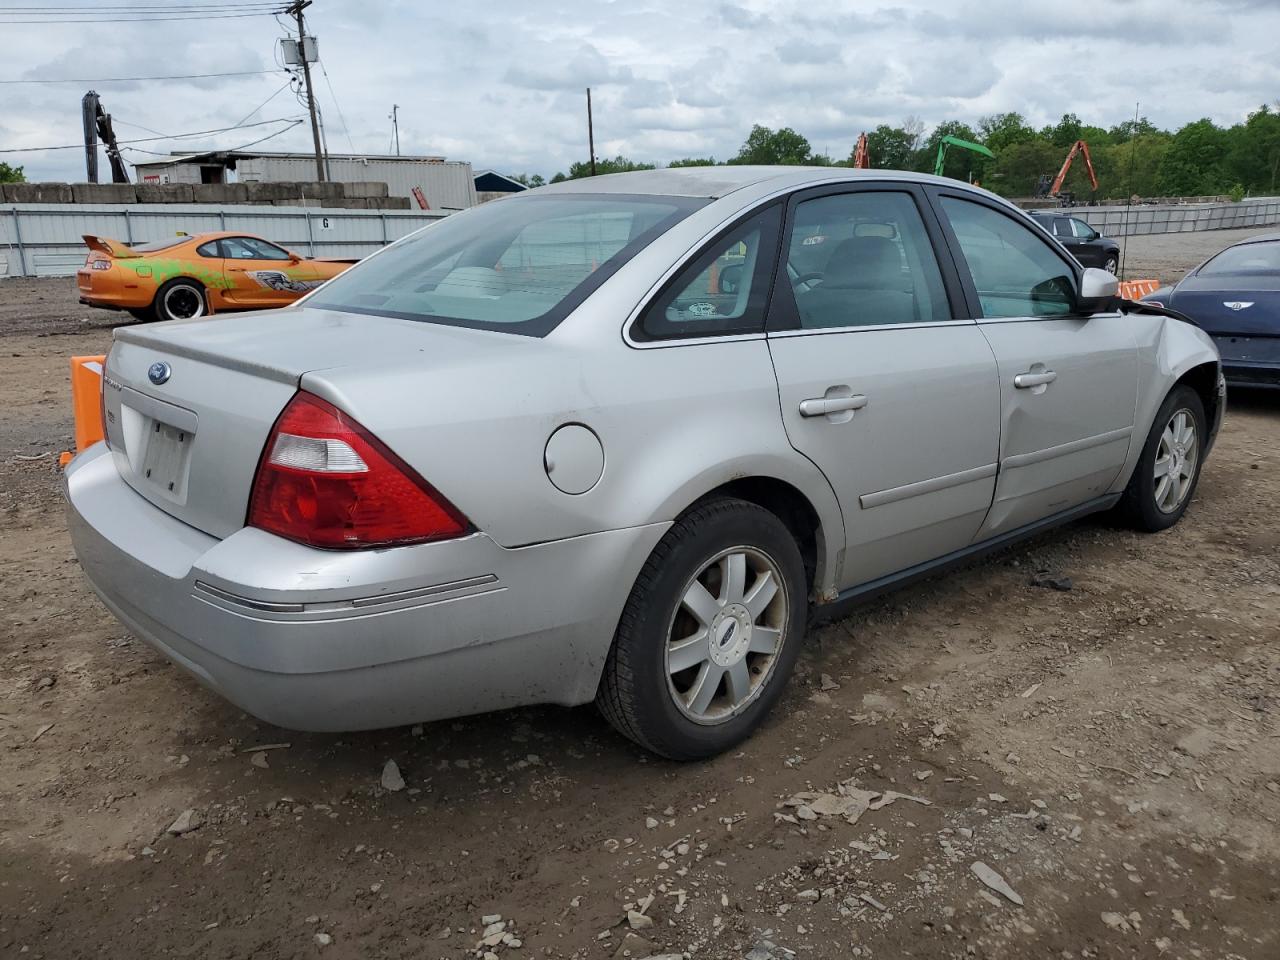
(325, 481)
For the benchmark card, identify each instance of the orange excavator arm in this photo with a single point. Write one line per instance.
(1076, 148)
(861, 159)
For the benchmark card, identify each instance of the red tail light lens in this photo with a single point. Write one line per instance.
(325, 481)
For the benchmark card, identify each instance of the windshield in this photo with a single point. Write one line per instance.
(517, 265)
(1244, 259)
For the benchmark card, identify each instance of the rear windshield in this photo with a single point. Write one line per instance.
(155, 245)
(1245, 259)
(518, 265)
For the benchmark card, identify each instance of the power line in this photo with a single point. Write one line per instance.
(251, 143)
(132, 19)
(345, 129)
(180, 76)
(266, 101)
(175, 136)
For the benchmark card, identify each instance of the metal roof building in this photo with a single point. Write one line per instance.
(444, 184)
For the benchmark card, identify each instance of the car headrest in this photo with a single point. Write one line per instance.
(864, 263)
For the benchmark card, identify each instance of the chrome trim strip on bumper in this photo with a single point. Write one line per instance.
(439, 591)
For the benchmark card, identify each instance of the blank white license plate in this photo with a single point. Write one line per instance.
(167, 458)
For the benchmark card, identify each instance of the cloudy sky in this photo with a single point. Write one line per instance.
(502, 83)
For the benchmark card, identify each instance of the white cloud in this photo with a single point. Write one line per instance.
(502, 84)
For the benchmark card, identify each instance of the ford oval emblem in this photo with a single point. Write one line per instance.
(159, 372)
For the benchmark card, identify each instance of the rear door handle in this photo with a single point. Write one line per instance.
(823, 406)
(1025, 381)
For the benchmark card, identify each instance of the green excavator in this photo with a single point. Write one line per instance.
(949, 141)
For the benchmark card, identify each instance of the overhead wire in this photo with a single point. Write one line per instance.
(174, 136)
(251, 143)
(179, 76)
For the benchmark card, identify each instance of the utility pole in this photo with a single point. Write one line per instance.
(89, 114)
(296, 10)
(591, 134)
(395, 125)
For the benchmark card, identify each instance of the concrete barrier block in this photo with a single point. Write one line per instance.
(164, 193)
(299, 202)
(315, 190)
(365, 189)
(262, 192)
(103, 193)
(220, 192)
(390, 203)
(37, 192)
(349, 203)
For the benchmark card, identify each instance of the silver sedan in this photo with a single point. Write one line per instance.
(615, 440)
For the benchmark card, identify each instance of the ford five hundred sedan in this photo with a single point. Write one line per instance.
(615, 440)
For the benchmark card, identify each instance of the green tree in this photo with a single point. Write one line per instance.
(1001, 130)
(765, 146)
(529, 180)
(890, 148)
(10, 174)
(1253, 151)
(1019, 166)
(1133, 167)
(618, 164)
(1123, 132)
(1194, 164)
(1065, 132)
(693, 162)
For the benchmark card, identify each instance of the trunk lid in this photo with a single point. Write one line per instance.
(189, 404)
(1247, 306)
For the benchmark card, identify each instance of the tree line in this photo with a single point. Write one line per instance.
(1198, 159)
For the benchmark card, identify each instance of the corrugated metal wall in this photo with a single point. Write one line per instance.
(448, 184)
(44, 239)
(1178, 218)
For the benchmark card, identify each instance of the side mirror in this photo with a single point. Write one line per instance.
(293, 257)
(1098, 291)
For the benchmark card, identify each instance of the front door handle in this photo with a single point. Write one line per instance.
(824, 406)
(1025, 381)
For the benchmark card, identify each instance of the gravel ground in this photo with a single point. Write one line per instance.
(1109, 755)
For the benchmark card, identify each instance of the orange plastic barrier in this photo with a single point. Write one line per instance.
(1137, 289)
(86, 403)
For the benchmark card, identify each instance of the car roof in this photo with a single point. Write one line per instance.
(1261, 238)
(720, 181)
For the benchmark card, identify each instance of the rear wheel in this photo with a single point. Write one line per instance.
(180, 299)
(1165, 477)
(710, 632)
(145, 314)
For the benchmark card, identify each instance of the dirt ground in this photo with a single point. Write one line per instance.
(1111, 751)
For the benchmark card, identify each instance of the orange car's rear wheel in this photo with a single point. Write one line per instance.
(180, 299)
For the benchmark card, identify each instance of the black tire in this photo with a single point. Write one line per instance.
(178, 291)
(636, 695)
(143, 314)
(1111, 263)
(1138, 507)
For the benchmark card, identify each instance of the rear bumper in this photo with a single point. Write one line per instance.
(1250, 361)
(329, 640)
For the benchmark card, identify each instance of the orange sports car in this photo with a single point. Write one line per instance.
(190, 276)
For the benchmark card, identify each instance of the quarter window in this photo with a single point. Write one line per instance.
(1016, 273)
(722, 291)
(863, 259)
(209, 250)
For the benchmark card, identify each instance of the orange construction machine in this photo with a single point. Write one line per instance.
(1053, 189)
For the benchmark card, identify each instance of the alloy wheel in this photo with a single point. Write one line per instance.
(1176, 459)
(726, 635)
(183, 303)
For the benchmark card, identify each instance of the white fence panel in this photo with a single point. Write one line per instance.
(45, 240)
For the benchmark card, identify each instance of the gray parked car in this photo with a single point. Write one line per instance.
(615, 439)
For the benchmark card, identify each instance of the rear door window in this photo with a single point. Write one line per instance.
(251, 248)
(863, 259)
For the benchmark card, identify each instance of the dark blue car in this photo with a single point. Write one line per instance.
(1235, 297)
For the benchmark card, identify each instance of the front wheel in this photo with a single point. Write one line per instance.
(1165, 477)
(709, 634)
(1111, 264)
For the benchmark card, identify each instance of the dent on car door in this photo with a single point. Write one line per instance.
(893, 398)
(260, 274)
(1068, 383)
